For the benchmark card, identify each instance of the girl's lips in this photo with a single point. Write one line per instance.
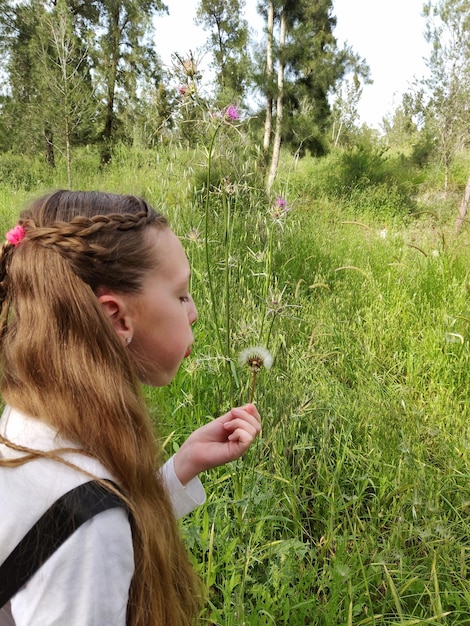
(188, 352)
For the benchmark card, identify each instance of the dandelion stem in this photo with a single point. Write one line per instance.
(253, 385)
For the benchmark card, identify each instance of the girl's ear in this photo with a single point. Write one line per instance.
(116, 308)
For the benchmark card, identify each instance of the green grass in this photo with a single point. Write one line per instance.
(352, 509)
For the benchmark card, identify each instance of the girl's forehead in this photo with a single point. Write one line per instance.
(171, 257)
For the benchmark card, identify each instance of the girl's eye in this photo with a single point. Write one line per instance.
(185, 299)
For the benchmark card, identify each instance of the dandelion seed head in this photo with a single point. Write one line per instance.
(256, 357)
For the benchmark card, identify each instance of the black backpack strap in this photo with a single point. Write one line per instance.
(51, 530)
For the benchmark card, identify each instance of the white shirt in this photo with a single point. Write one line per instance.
(86, 581)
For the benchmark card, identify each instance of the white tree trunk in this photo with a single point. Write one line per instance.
(268, 123)
(279, 108)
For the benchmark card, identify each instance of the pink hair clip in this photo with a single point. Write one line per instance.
(15, 235)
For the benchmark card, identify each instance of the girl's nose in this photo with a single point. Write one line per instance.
(192, 314)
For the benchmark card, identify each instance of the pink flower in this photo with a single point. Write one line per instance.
(15, 235)
(183, 90)
(231, 112)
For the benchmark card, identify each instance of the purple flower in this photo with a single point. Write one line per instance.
(280, 207)
(231, 112)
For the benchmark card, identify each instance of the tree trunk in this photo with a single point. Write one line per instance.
(279, 107)
(115, 38)
(463, 208)
(109, 120)
(68, 153)
(50, 157)
(268, 123)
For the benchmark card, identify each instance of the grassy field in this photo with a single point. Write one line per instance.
(352, 508)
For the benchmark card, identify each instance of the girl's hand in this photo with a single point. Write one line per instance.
(224, 439)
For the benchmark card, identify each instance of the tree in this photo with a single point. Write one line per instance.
(228, 43)
(122, 54)
(268, 124)
(22, 111)
(447, 110)
(279, 104)
(99, 46)
(309, 66)
(63, 73)
(345, 115)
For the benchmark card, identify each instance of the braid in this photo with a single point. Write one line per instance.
(85, 226)
(77, 235)
(100, 235)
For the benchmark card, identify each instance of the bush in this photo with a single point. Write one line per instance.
(375, 184)
(21, 172)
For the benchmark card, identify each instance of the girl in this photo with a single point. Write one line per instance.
(93, 299)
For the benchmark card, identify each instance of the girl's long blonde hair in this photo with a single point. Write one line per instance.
(62, 362)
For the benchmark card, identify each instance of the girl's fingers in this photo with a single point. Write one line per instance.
(244, 429)
(252, 410)
(241, 437)
(245, 422)
(249, 413)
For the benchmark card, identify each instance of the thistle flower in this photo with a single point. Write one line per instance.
(190, 67)
(231, 113)
(194, 236)
(255, 358)
(280, 208)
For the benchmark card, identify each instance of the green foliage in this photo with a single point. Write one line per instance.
(19, 172)
(447, 88)
(423, 149)
(229, 45)
(353, 506)
(364, 179)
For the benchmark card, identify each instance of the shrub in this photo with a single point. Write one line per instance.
(21, 172)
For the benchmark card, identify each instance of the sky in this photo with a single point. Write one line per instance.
(388, 34)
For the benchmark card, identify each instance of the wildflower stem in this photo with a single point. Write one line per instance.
(208, 266)
(227, 242)
(268, 334)
(268, 273)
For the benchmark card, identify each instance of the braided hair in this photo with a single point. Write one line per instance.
(63, 363)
